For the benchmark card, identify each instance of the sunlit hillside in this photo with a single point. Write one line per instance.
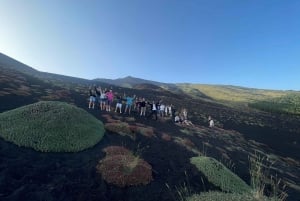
(266, 100)
(227, 93)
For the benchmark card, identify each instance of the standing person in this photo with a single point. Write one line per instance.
(137, 105)
(158, 107)
(119, 103)
(97, 90)
(92, 93)
(166, 110)
(110, 98)
(162, 109)
(170, 107)
(154, 107)
(129, 101)
(173, 110)
(143, 107)
(102, 99)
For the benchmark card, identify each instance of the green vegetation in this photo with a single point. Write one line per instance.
(217, 196)
(289, 103)
(267, 100)
(51, 126)
(226, 93)
(260, 171)
(234, 189)
(219, 175)
(122, 128)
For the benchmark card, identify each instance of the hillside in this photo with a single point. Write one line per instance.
(275, 101)
(242, 131)
(11, 65)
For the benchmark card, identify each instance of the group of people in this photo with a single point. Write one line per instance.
(104, 98)
(181, 118)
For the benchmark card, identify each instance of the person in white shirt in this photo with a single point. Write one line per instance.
(162, 110)
(211, 122)
(177, 119)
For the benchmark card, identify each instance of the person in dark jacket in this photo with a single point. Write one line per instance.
(154, 109)
(143, 107)
(92, 99)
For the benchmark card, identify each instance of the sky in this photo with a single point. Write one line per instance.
(250, 43)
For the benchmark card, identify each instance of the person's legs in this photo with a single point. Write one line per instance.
(143, 111)
(104, 105)
(129, 110)
(93, 102)
(109, 106)
(116, 107)
(120, 107)
(90, 102)
(101, 104)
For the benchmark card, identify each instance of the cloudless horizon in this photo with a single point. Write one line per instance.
(250, 43)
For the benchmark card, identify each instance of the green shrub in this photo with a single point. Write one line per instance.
(217, 196)
(219, 175)
(285, 104)
(51, 126)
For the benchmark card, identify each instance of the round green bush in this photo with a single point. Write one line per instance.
(51, 126)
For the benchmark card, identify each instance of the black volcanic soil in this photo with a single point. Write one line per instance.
(28, 175)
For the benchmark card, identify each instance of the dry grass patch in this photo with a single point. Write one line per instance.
(121, 128)
(121, 168)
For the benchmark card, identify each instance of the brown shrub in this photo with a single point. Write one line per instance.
(124, 169)
(146, 131)
(110, 119)
(166, 137)
(187, 142)
(133, 128)
(121, 128)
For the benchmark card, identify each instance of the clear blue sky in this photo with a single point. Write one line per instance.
(252, 43)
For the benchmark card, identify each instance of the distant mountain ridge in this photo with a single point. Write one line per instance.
(12, 64)
(8, 62)
(129, 81)
(133, 82)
